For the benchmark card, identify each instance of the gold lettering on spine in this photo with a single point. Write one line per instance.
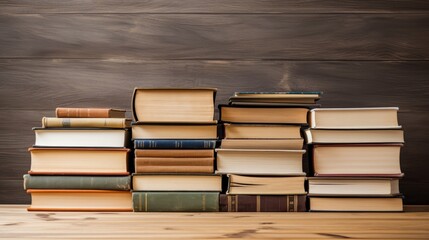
(228, 198)
(258, 203)
(295, 199)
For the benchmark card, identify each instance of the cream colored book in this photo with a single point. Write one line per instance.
(265, 131)
(285, 144)
(174, 131)
(349, 186)
(354, 136)
(332, 204)
(265, 185)
(174, 182)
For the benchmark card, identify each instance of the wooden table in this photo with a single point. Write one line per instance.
(17, 223)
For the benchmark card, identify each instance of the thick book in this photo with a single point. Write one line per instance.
(173, 105)
(78, 182)
(357, 160)
(174, 144)
(262, 114)
(315, 136)
(89, 113)
(285, 144)
(173, 131)
(265, 185)
(51, 122)
(177, 182)
(79, 161)
(261, 131)
(80, 200)
(175, 201)
(81, 137)
(175, 153)
(174, 165)
(352, 204)
(260, 162)
(262, 203)
(354, 118)
(348, 186)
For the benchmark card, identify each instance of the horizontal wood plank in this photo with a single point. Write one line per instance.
(219, 36)
(219, 6)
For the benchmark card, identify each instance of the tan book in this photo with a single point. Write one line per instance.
(174, 153)
(172, 182)
(285, 144)
(89, 113)
(80, 200)
(333, 204)
(278, 95)
(51, 122)
(174, 131)
(261, 131)
(261, 114)
(260, 162)
(264, 185)
(173, 105)
(175, 169)
(273, 100)
(354, 118)
(183, 161)
(349, 186)
(79, 161)
(354, 136)
(357, 160)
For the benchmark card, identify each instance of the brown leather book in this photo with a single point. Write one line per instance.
(153, 161)
(262, 203)
(174, 169)
(89, 113)
(173, 153)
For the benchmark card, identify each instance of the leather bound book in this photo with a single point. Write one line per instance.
(51, 122)
(175, 153)
(89, 113)
(262, 203)
(174, 144)
(78, 182)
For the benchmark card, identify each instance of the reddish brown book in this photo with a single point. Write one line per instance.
(173, 153)
(262, 203)
(174, 169)
(89, 113)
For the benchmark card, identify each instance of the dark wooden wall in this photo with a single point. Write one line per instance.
(78, 53)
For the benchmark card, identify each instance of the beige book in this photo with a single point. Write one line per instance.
(260, 162)
(333, 204)
(263, 185)
(79, 161)
(174, 105)
(174, 131)
(171, 182)
(354, 118)
(285, 144)
(80, 200)
(253, 114)
(51, 122)
(348, 186)
(354, 136)
(261, 131)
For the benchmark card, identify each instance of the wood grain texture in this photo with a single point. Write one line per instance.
(216, 36)
(31, 89)
(218, 6)
(17, 223)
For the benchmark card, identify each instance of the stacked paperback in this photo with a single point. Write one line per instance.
(80, 162)
(356, 159)
(262, 151)
(174, 134)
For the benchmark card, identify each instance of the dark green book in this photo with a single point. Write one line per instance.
(78, 182)
(176, 201)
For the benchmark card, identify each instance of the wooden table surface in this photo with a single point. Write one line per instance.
(17, 223)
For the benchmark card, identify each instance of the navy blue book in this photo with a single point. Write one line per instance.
(175, 143)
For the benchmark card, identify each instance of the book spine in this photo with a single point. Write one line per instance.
(77, 182)
(262, 203)
(82, 113)
(174, 144)
(174, 169)
(149, 161)
(176, 201)
(48, 122)
(182, 153)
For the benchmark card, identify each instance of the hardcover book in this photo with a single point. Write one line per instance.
(263, 114)
(281, 144)
(261, 131)
(266, 185)
(176, 182)
(173, 131)
(79, 161)
(50, 122)
(173, 105)
(122, 183)
(349, 186)
(89, 113)
(175, 153)
(174, 144)
(176, 201)
(262, 203)
(80, 200)
(81, 137)
(174, 165)
(351, 204)
(316, 136)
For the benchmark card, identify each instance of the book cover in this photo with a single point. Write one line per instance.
(174, 144)
(89, 113)
(78, 182)
(262, 203)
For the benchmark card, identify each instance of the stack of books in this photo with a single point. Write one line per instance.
(79, 162)
(174, 134)
(262, 151)
(356, 159)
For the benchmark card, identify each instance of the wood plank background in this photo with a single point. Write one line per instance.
(93, 53)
